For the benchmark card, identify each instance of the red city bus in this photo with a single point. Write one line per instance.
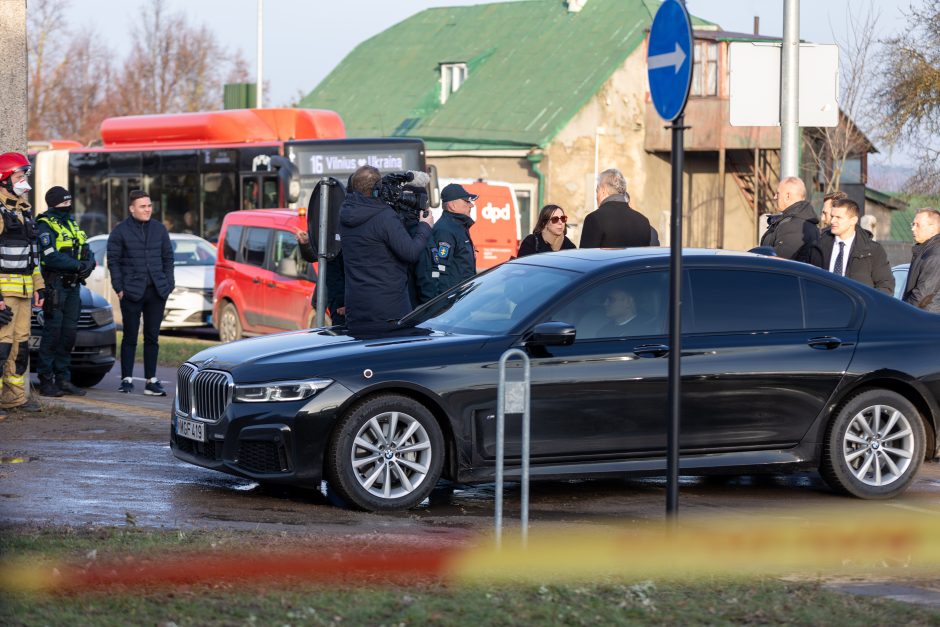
(199, 166)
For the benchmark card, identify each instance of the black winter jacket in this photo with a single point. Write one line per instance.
(923, 279)
(793, 233)
(535, 243)
(450, 258)
(867, 262)
(377, 253)
(616, 224)
(140, 254)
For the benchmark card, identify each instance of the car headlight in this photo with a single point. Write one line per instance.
(102, 316)
(279, 390)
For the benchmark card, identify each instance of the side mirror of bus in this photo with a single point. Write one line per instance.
(434, 193)
(287, 267)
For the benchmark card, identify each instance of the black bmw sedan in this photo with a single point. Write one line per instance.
(785, 367)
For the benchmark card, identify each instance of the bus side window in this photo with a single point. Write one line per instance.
(249, 194)
(269, 193)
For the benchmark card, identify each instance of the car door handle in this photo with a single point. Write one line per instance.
(271, 284)
(256, 280)
(650, 350)
(825, 343)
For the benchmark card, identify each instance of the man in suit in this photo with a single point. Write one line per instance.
(623, 319)
(848, 250)
(615, 224)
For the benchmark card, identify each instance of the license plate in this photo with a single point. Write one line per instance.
(34, 341)
(191, 429)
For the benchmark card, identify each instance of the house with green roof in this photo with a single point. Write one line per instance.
(544, 93)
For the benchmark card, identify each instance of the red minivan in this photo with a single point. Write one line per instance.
(262, 284)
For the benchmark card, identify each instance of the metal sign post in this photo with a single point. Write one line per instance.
(512, 397)
(321, 249)
(669, 61)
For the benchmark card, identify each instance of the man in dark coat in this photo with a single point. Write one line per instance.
(848, 250)
(923, 279)
(377, 255)
(793, 232)
(140, 258)
(451, 257)
(615, 224)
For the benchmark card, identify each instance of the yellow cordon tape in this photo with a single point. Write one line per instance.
(851, 539)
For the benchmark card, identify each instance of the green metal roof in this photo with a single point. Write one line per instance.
(532, 66)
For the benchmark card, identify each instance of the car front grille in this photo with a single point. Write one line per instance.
(262, 456)
(205, 394)
(85, 321)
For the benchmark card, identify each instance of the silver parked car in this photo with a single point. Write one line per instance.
(190, 304)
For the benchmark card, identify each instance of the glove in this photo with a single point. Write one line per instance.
(6, 316)
(86, 268)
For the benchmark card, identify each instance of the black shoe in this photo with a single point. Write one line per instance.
(153, 388)
(49, 388)
(29, 405)
(67, 388)
(127, 386)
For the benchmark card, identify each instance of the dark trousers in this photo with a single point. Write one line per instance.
(151, 306)
(60, 312)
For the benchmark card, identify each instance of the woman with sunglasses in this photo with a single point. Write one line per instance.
(548, 234)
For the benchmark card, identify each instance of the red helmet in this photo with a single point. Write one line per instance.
(10, 162)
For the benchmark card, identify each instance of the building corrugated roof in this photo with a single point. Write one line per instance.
(532, 65)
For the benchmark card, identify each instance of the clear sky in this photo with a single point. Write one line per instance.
(305, 39)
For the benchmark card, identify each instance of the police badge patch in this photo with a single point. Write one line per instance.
(45, 240)
(443, 250)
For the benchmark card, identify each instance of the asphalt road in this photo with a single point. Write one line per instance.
(114, 467)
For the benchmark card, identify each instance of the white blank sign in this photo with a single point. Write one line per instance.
(755, 84)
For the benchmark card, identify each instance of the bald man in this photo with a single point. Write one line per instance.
(793, 232)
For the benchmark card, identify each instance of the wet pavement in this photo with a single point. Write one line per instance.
(114, 467)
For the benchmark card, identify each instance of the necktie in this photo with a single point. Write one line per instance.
(840, 258)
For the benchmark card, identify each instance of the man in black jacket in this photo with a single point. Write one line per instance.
(615, 224)
(793, 232)
(377, 255)
(451, 257)
(848, 250)
(923, 279)
(140, 258)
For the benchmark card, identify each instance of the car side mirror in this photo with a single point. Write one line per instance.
(287, 267)
(552, 334)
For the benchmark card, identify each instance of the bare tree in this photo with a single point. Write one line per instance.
(178, 67)
(909, 93)
(830, 148)
(45, 37)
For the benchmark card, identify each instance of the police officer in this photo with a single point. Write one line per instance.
(21, 283)
(451, 257)
(66, 263)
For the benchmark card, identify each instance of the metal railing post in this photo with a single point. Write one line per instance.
(322, 241)
(516, 401)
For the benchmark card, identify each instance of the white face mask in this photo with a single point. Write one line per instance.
(21, 188)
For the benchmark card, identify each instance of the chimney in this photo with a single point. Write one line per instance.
(575, 6)
(757, 25)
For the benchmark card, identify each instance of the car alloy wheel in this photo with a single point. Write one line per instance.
(230, 327)
(386, 454)
(874, 446)
(878, 445)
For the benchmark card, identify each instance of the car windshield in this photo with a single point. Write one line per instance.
(192, 252)
(494, 302)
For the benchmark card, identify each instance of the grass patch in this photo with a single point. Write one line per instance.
(709, 601)
(173, 350)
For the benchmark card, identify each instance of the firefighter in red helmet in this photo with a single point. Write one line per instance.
(21, 284)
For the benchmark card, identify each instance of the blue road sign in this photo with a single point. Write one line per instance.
(669, 59)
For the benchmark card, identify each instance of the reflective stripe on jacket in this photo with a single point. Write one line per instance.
(18, 231)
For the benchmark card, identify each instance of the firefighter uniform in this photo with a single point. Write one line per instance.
(66, 262)
(19, 278)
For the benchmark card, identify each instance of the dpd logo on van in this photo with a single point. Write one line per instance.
(494, 214)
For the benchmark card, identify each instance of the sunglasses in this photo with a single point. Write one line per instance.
(557, 219)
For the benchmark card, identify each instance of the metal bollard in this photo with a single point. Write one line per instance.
(512, 397)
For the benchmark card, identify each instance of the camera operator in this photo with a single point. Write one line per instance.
(377, 255)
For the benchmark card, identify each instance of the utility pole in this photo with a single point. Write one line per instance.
(790, 90)
(259, 81)
(13, 75)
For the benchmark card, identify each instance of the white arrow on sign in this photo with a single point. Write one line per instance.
(669, 59)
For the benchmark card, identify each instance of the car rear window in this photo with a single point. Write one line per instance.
(726, 301)
(255, 246)
(826, 307)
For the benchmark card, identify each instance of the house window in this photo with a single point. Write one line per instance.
(452, 77)
(705, 69)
